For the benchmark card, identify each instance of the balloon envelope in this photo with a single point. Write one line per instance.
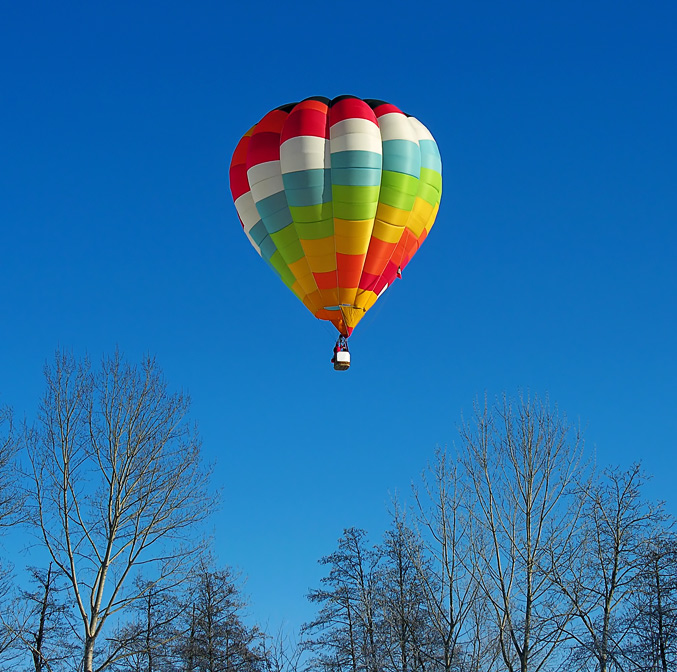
(337, 196)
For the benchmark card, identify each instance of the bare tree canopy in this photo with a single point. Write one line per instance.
(214, 636)
(456, 606)
(343, 636)
(511, 556)
(523, 463)
(11, 499)
(11, 507)
(117, 484)
(600, 574)
(652, 616)
(44, 624)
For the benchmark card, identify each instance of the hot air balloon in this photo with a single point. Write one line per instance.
(337, 196)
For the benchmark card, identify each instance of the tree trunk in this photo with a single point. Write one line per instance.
(39, 638)
(88, 658)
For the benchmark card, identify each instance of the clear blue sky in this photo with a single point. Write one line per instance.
(551, 267)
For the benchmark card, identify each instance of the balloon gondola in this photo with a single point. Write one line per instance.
(341, 358)
(337, 196)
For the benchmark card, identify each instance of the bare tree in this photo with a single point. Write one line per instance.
(39, 622)
(11, 507)
(444, 567)
(455, 602)
(9, 629)
(43, 624)
(653, 611)
(46, 629)
(117, 485)
(281, 653)
(11, 497)
(214, 636)
(406, 635)
(148, 639)
(600, 571)
(343, 636)
(522, 461)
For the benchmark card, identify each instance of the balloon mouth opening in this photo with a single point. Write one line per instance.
(350, 316)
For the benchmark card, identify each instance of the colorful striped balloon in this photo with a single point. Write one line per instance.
(337, 196)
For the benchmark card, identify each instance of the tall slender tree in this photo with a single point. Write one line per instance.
(444, 565)
(215, 637)
(523, 462)
(407, 639)
(653, 611)
(343, 636)
(117, 485)
(146, 641)
(46, 629)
